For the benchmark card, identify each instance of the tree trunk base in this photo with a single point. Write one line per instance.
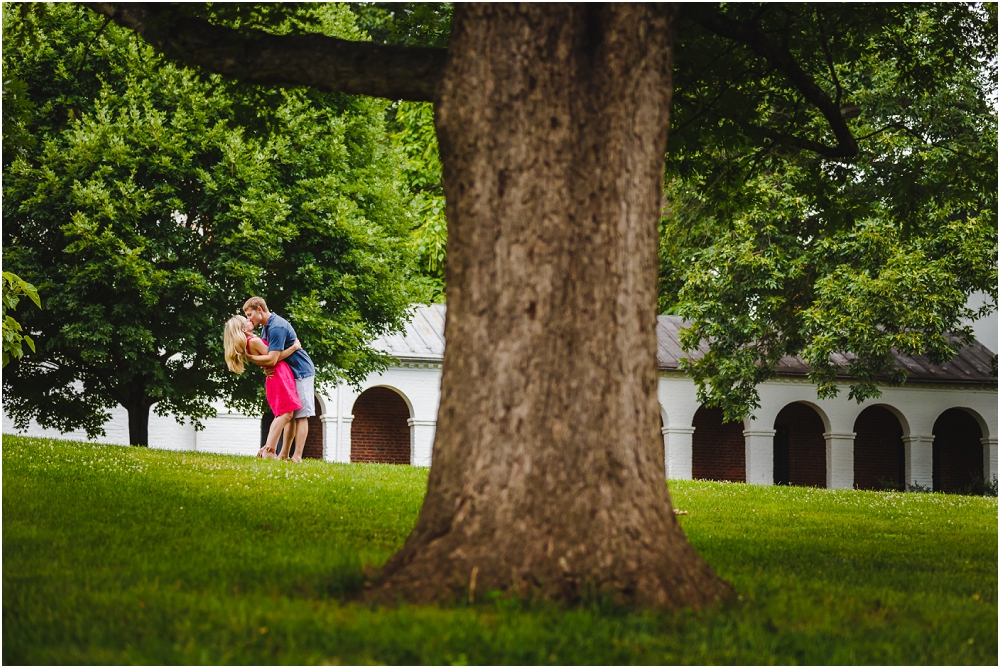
(661, 570)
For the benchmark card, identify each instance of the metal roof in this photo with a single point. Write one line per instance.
(423, 340)
(422, 337)
(971, 365)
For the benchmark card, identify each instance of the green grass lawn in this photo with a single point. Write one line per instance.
(129, 555)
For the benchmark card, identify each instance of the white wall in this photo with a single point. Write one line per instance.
(229, 433)
(419, 383)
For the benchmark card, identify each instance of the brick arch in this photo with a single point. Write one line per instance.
(380, 432)
(958, 450)
(878, 450)
(718, 448)
(799, 446)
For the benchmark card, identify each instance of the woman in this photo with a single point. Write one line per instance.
(241, 344)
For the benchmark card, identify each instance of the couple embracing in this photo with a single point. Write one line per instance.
(290, 373)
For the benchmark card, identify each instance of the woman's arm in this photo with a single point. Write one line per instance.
(257, 352)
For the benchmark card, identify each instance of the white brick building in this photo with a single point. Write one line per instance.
(939, 430)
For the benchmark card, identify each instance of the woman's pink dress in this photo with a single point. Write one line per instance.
(280, 389)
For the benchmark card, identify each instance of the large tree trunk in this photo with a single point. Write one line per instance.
(138, 420)
(548, 473)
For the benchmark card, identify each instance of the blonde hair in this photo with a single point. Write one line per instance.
(235, 343)
(256, 303)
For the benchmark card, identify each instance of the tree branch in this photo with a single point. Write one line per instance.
(254, 56)
(783, 60)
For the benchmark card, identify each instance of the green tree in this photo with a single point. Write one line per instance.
(14, 287)
(153, 201)
(772, 249)
(552, 124)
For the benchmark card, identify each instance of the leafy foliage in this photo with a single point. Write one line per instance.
(413, 134)
(14, 287)
(770, 249)
(405, 23)
(148, 212)
(415, 139)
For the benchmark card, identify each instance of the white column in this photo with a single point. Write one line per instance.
(329, 423)
(334, 457)
(344, 448)
(839, 460)
(421, 441)
(759, 456)
(989, 458)
(677, 451)
(919, 459)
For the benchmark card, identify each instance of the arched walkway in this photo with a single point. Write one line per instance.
(879, 456)
(379, 431)
(718, 449)
(958, 451)
(799, 447)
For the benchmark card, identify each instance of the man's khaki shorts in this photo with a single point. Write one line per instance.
(304, 388)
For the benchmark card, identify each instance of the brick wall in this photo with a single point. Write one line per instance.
(958, 451)
(878, 449)
(314, 439)
(718, 450)
(806, 445)
(379, 432)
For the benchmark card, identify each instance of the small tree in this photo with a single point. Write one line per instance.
(153, 202)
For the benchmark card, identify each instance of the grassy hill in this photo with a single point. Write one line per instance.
(128, 555)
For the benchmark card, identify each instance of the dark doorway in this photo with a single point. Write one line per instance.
(879, 456)
(958, 451)
(801, 428)
(314, 439)
(781, 454)
(718, 449)
(379, 432)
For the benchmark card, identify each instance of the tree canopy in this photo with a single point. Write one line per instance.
(772, 245)
(147, 202)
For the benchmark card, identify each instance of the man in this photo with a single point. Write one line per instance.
(279, 336)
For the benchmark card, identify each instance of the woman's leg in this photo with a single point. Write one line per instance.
(288, 439)
(272, 435)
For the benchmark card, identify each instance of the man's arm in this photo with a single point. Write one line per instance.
(272, 357)
(289, 350)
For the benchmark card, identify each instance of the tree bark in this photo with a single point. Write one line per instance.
(548, 474)
(138, 422)
(325, 63)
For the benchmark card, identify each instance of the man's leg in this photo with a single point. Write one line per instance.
(301, 431)
(287, 440)
(304, 388)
